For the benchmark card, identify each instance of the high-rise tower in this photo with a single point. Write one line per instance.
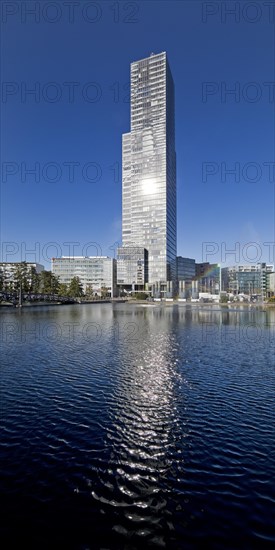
(149, 168)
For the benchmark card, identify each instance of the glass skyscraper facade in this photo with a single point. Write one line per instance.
(149, 168)
(132, 267)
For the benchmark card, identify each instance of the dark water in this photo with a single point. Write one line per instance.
(128, 427)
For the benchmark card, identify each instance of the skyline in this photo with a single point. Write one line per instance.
(213, 131)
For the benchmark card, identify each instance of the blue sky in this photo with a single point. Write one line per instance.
(214, 131)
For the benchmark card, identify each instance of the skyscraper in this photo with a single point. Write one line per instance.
(149, 168)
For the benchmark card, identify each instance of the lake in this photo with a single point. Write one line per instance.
(132, 426)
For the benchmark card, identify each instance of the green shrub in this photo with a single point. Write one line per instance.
(141, 296)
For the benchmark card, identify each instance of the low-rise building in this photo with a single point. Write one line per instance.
(162, 290)
(96, 272)
(208, 278)
(270, 284)
(251, 280)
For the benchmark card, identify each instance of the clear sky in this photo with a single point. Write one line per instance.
(92, 44)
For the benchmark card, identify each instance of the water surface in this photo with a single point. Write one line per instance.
(130, 427)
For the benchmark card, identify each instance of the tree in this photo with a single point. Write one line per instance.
(89, 291)
(223, 298)
(8, 286)
(63, 289)
(104, 292)
(49, 283)
(34, 280)
(22, 277)
(75, 288)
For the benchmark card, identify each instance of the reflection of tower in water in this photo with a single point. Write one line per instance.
(143, 435)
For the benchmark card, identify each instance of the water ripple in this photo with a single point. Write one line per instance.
(164, 441)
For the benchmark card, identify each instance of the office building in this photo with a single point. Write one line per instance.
(186, 271)
(270, 284)
(186, 268)
(149, 169)
(96, 272)
(251, 280)
(132, 268)
(207, 278)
